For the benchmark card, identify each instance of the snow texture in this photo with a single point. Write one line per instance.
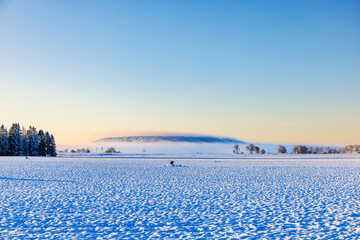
(208, 197)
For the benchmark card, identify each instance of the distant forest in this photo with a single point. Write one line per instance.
(26, 142)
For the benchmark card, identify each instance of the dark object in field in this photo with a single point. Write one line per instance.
(27, 158)
(171, 162)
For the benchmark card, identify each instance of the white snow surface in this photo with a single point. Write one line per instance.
(202, 196)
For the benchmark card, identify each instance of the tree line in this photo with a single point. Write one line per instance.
(26, 142)
(251, 148)
(301, 149)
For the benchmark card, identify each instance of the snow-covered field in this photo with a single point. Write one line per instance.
(203, 196)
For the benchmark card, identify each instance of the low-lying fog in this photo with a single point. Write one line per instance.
(168, 148)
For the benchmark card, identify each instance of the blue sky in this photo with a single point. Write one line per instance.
(265, 71)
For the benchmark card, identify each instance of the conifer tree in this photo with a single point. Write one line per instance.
(33, 141)
(15, 140)
(52, 146)
(4, 141)
(29, 142)
(25, 142)
(42, 144)
(47, 143)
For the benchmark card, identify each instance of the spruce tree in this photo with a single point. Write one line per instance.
(15, 140)
(47, 143)
(25, 142)
(29, 142)
(42, 144)
(4, 141)
(33, 141)
(52, 146)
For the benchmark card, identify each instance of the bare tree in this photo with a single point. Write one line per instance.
(236, 149)
(250, 148)
(331, 150)
(111, 150)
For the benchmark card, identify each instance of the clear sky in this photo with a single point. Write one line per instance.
(262, 71)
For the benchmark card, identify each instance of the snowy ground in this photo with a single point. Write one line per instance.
(217, 196)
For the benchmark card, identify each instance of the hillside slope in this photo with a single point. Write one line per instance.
(174, 139)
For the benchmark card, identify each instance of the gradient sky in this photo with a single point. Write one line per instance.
(263, 71)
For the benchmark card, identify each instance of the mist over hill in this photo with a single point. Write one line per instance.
(172, 139)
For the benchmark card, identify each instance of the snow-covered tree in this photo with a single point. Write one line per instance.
(250, 148)
(331, 150)
(300, 149)
(236, 149)
(42, 144)
(351, 149)
(15, 140)
(25, 142)
(111, 150)
(47, 143)
(52, 150)
(33, 139)
(257, 149)
(4, 141)
(281, 149)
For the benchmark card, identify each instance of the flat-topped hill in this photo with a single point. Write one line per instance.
(174, 139)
